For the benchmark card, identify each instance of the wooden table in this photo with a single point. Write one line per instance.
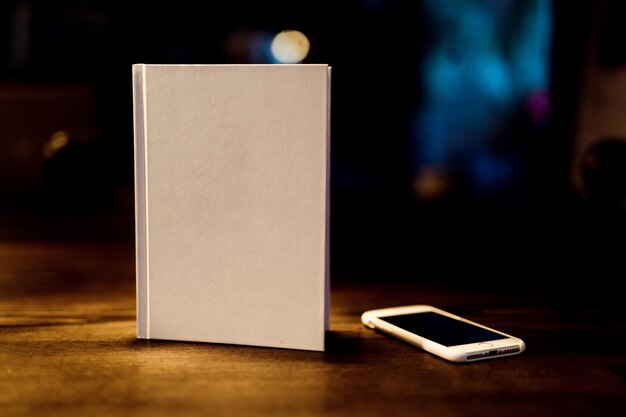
(68, 348)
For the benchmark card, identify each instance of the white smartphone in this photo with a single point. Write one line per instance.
(443, 334)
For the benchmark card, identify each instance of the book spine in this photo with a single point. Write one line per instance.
(141, 214)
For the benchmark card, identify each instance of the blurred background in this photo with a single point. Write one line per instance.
(480, 142)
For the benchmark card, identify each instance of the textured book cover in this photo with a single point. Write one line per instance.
(232, 190)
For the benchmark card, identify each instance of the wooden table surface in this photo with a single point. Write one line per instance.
(68, 348)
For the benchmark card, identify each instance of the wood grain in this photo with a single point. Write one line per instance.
(68, 348)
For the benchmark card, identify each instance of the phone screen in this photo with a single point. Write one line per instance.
(442, 329)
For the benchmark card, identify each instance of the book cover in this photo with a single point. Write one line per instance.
(232, 191)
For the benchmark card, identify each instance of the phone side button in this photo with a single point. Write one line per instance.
(485, 344)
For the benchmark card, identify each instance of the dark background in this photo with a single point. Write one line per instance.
(555, 227)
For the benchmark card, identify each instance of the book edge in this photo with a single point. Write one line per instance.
(235, 65)
(328, 184)
(139, 116)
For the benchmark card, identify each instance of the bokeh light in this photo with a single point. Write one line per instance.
(57, 141)
(290, 46)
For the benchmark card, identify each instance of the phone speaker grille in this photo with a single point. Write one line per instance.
(493, 352)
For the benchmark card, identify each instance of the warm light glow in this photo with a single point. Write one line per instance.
(59, 140)
(432, 184)
(290, 46)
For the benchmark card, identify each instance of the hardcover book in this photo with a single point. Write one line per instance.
(232, 191)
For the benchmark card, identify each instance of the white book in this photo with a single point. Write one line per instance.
(232, 191)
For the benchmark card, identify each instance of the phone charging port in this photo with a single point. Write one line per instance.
(493, 352)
